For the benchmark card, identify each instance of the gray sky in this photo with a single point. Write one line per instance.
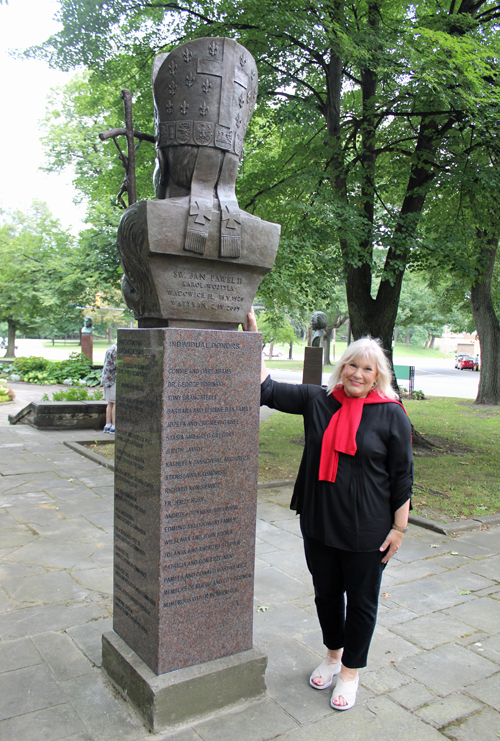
(25, 85)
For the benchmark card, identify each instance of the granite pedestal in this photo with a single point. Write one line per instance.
(185, 502)
(87, 345)
(313, 365)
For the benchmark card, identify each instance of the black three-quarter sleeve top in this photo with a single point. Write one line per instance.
(356, 512)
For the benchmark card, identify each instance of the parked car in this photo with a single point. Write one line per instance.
(466, 361)
(459, 358)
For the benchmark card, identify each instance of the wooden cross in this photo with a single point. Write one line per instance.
(128, 160)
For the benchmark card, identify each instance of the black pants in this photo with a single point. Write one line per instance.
(357, 575)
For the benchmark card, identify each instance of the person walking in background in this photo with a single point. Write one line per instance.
(353, 495)
(108, 383)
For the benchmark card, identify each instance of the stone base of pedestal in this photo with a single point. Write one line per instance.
(184, 695)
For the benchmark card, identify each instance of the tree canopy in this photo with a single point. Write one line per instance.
(364, 110)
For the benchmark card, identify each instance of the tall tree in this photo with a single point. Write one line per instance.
(40, 284)
(376, 86)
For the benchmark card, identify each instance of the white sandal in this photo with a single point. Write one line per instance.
(348, 691)
(326, 672)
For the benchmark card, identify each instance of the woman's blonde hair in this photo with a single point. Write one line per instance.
(366, 347)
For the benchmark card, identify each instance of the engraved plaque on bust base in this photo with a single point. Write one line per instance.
(176, 288)
(185, 493)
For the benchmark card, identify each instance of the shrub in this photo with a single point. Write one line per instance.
(39, 370)
(74, 394)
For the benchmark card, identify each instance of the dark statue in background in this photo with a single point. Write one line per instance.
(319, 323)
(193, 258)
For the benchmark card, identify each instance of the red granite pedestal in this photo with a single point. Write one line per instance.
(87, 344)
(185, 507)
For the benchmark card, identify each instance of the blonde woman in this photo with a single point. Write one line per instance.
(353, 493)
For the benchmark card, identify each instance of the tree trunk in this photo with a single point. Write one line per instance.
(290, 351)
(488, 328)
(11, 343)
(432, 342)
(271, 348)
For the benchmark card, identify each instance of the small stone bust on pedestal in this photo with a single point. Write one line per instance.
(86, 338)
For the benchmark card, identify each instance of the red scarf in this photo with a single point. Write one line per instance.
(340, 435)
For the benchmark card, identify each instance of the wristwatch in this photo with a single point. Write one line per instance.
(399, 529)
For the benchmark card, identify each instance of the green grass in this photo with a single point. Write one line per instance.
(97, 343)
(459, 480)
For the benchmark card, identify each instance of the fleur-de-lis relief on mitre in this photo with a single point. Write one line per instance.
(187, 55)
(169, 107)
(172, 88)
(204, 109)
(172, 68)
(184, 107)
(252, 75)
(241, 100)
(190, 79)
(243, 60)
(213, 49)
(207, 86)
(238, 120)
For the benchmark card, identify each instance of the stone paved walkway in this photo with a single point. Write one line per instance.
(434, 668)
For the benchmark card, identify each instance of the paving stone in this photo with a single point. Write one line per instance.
(490, 646)
(290, 525)
(107, 492)
(482, 613)
(107, 718)
(62, 655)
(16, 570)
(404, 572)
(377, 719)
(412, 696)
(260, 721)
(72, 492)
(104, 479)
(467, 548)
(282, 619)
(415, 550)
(464, 578)
(25, 690)
(447, 669)
(261, 547)
(102, 520)
(446, 711)
(383, 680)
(14, 536)
(452, 562)
(34, 620)
(55, 554)
(5, 603)
(426, 595)
(290, 665)
(271, 512)
(488, 567)
(484, 726)
(85, 506)
(51, 724)
(56, 586)
(75, 529)
(390, 616)
(488, 691)
(292, 563)
(387, 648)
(432, 630)
(89, 638)
(97, 580)
(185, 735)
(18, 655)
(271, 585)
